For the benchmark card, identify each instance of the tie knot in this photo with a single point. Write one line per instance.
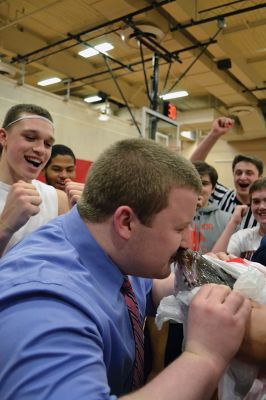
(126, 286)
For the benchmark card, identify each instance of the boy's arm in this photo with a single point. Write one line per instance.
(63, 205)
(22, 202)
(222, 242)
(253, 348)
(219, 127)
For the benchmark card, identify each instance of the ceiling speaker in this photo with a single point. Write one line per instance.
(224, 64)
(130, 36)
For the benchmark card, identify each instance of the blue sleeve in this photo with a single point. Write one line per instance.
(50, 351)
(260, 254)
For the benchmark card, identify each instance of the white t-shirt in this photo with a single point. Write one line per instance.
(244, 242)
(48, 210)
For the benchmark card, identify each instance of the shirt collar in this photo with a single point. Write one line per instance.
(90, 252)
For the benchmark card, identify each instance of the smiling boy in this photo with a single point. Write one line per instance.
(26, 140)
(246, 169)
(60, 166)
(209, 221)
(244, 242)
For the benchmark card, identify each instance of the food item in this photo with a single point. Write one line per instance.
(193, 270)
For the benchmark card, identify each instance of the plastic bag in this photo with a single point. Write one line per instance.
(240, 380)
(250, 281)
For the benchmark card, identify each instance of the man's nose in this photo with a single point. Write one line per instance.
(262, 204)
(186, 241)
(244, 175)
(38, 147)
(63, 174)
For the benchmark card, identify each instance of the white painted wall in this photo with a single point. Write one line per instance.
(76, 124)
(223, 152)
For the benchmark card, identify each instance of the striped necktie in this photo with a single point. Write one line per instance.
(132, 305)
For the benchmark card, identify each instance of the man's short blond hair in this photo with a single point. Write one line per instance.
(138, 173)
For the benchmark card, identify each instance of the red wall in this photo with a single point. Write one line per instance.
(82, 167)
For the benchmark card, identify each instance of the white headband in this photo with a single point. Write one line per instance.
(28, 117)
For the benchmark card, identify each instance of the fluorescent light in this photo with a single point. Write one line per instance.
(104, 47)
(89, 52)
(49, 81)
(174, 95)
(92, 99)
(190, 135)
(92, 51)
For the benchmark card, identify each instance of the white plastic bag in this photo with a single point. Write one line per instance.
(240, 380)
(250, 281)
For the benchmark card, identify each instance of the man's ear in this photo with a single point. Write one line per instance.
(3, 137)
(123, 221)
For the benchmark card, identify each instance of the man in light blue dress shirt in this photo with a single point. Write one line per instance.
(65, 330)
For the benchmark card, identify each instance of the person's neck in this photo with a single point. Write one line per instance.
(244, 199)
(262, 229)
(6, 175)
(107, 238)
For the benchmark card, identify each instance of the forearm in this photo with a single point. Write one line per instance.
(189, 377)
(204, 147)
(253, 348)
(162, 288)
(222, 243)
(219, 127)
(5, 236)
(63, 204)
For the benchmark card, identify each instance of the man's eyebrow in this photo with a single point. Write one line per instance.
(244, 169)
(258, 198)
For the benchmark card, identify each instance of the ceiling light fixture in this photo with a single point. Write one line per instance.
(174, 95)
(190, 135)
(49, 81)
(105, 112)
(93, 99)
(92, 51)
(89, 52)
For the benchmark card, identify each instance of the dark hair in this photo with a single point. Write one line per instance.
(257, 185)
(60, 149)
(246, 158)
(15, 112)
(205, 169)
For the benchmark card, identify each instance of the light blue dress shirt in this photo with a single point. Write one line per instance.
(65, 331)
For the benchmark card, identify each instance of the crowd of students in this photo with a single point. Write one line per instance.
(66, 328)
